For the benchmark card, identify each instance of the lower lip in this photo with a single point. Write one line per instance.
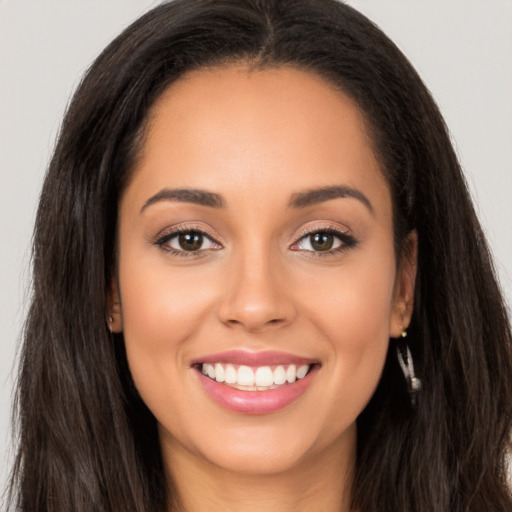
(256, 402)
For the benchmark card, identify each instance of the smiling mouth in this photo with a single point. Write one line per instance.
(255, 382)
(259, 378)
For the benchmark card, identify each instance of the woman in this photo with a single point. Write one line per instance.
(248, 289)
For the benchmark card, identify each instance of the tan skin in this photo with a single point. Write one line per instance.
(258, 280)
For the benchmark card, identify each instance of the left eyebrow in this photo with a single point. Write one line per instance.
(320, 195)
(186, 195)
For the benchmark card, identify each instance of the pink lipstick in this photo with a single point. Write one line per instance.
(255, 382)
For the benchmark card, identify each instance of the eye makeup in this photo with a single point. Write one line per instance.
(186, 240)
(325, 240)
(316, 240)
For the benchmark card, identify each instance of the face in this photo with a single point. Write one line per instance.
(257, 281)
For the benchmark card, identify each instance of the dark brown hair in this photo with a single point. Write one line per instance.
(88, 442)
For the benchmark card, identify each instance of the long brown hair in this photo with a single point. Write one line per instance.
(88, 442)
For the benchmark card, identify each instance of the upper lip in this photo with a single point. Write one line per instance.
(244, 357)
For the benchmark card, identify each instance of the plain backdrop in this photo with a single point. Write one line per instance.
(461, 48)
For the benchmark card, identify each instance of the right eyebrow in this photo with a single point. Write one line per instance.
(319, 195)
(186, 195)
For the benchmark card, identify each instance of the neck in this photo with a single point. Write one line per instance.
(321, 482)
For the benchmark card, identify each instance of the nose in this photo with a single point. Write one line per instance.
(257, 294)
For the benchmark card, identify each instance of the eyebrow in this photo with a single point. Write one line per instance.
(297, 200)
(186, 195)
(320, 195)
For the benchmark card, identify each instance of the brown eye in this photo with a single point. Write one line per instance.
(191, 241)
(328, 241)
(321, 241)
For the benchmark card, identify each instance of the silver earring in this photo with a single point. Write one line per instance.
(413, 383)
(110, 322)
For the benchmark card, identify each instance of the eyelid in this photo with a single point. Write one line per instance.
(316, 227)
(342, 233)
(171, 231)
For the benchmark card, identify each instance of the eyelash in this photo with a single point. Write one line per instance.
(347, 240)
(167, 236)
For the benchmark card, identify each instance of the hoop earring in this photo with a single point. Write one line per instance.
(413, 383)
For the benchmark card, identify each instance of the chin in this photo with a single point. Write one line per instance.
(267, 446)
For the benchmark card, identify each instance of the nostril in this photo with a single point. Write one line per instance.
(256, 307)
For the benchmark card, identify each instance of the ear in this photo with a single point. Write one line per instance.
(403, 298)
(114, 316)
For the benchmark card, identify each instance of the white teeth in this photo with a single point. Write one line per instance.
(302, 370)
(262, 377)
(279, 376)
(245, 376)
(219, 373)
(230, 376)
(291, 373)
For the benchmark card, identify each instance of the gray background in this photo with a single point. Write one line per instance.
(462, 49)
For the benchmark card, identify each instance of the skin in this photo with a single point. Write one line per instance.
(257, 138)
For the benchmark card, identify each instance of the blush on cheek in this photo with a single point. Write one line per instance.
(163, 303)
(358, 331)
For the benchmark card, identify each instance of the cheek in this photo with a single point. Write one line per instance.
(353, 312)
(162, 311)
(167, 302)
(354, 302)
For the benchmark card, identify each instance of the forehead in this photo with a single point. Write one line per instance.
(241, 129)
